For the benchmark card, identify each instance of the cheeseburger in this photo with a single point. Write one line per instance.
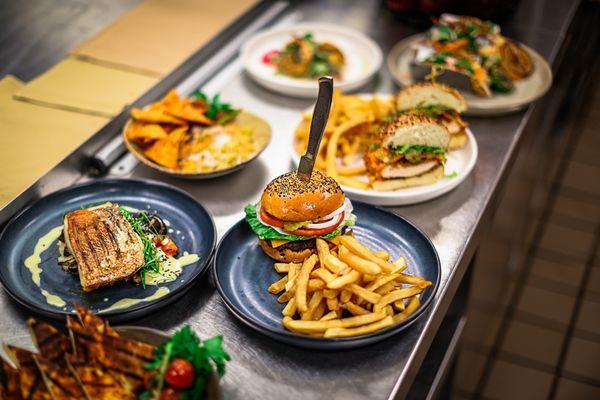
(293, 212)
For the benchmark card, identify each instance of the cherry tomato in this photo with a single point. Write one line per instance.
(180, 374)
(167, 245)
(169, 394)
(268, 57)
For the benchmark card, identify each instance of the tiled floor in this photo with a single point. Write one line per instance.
(547, 346)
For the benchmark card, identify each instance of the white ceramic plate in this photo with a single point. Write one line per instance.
(460, 161)
(363, 58)
(405, 72)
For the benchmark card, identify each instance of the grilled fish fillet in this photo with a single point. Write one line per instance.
(104, 244)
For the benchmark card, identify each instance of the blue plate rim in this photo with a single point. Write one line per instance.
(142, 308)
(315, 341)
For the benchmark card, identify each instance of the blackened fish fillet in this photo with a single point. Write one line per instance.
(104, 244)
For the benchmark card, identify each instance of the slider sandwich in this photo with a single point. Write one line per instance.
(410, 151)
(440, 102)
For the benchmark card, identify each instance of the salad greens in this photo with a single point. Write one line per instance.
(203, 355)
(416, 148)
(217, 110)
(266, 232)
(152, 257)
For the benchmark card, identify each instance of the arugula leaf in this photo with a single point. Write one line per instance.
(434, 109)
(416, 148)
(266, 232)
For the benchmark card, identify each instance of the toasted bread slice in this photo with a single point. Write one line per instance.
(426, 94)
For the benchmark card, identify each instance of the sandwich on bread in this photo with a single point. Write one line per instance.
(410, 152)
(440, 102)
(293, 212)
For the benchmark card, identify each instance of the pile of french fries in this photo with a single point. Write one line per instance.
(346, 291)
(352, 123)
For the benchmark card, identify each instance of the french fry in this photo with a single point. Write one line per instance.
(292, 274)
(361, 330)
(413, 280)
(397, 295)
(399, 305)
(322, 326)
(355, 183)
(412, 306)
(330, 293)
(400, 264)
(369, 278)
(323, 274)
(334, 264)
(302, 282)
(341, 281)
(333, 304)
(329, 316)
(382, 254)
(360, 264)
(368, 295)
(315, 284)
(285, 297)
(363, 251)
(382, 280)
(351, 171)
(389, 310)
(319, 311)
(385, 289)
(345, 296)
(322, 248)
(355, 309)
(278, 286)
(290, 308)
(314, 302)
(284, 267)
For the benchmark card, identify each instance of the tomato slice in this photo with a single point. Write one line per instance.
(269, 219)
(318, 232)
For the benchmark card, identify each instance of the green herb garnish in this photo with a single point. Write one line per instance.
(152, 257)
(434, 110)
(374, 147)
(454, 174)
(416, 148)
(217, 110)
(203, 355)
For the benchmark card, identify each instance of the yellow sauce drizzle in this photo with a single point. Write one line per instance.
(33, 264)
(126, 303)
(170, 269)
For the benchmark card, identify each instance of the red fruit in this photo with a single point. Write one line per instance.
(180, 374)
(169, 394)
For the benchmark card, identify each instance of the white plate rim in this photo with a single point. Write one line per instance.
(304, 88)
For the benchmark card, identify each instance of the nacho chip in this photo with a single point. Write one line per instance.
(155, 116)
(165, 152)
(189, 112)
(143, 134)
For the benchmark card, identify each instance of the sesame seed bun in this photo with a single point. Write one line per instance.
(291, 199)
(425, 94)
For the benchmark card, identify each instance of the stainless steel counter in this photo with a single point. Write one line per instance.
(262, 368)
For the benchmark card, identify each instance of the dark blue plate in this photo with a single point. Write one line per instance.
(193, 231)
(243, 272)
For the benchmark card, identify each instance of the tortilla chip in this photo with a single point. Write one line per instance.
(189, 112)
(51, 343)
(143, 134)
(60, 381)
(165, 152)
(155, 116)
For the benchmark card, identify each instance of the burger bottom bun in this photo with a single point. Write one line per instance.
(427, 178)
(285, 254)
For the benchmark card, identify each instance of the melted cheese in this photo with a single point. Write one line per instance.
(278, 242)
